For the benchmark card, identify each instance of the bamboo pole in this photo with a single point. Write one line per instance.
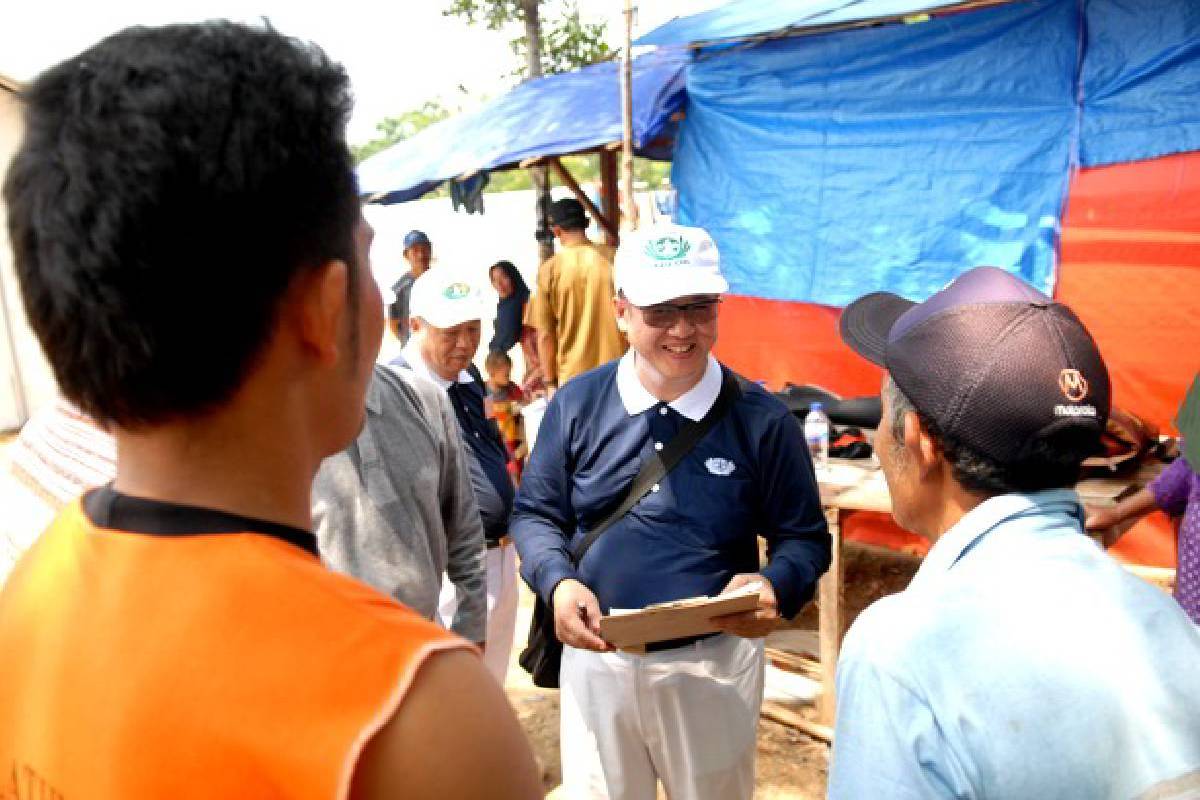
(630, 204)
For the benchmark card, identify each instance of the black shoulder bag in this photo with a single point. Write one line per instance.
(542, 655)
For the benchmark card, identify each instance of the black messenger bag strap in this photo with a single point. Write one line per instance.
(661, 462)
(542, 656)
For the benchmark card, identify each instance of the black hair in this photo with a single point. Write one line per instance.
(568, 214)
(514, 275)
(171, 185)
(1053, 461)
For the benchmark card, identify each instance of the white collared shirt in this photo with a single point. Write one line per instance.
(1020, 662)
(693, 404)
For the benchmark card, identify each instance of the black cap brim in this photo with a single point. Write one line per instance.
(866, 323)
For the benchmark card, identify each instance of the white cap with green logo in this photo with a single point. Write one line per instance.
(445, 298)
(662, 262)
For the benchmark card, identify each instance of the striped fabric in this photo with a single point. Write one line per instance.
(61, 452)
(57, 456)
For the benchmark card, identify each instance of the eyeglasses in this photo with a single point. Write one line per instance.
(665, 315)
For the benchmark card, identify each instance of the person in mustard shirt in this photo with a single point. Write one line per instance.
(573, 310)
(173, 633)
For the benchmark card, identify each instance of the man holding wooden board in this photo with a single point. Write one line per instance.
(731, 465)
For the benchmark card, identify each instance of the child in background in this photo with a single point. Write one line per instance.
(1177, 492)
(505, 399)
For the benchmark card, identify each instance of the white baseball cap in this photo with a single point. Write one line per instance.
(445, 298)
(661, 262)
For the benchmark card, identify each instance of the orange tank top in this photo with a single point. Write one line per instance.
(229, 665)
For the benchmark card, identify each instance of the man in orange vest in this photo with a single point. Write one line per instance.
(173, 634)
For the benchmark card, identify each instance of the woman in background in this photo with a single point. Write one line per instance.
(510, 325)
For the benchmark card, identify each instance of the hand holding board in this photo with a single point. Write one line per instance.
(674, 620)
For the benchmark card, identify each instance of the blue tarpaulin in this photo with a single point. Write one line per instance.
(896, 157)
(554, 115)
(891, 157)
(1141, 80)
(743, 18)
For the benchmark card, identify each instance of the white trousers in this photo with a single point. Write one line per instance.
(501, 607)
(687, 717)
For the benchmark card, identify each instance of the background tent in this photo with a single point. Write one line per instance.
(1050, 137)
(555, 115)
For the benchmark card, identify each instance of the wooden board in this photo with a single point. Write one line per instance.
(688, 617)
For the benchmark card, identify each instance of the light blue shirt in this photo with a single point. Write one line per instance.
(1022, 662)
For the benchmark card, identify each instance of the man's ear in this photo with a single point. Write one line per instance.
(414, 325)
(920, 445)
(322, 302)
(620, 304)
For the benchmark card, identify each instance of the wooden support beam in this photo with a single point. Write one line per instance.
(829, 598)
(608, 192)
(567, 178)
(785, 716)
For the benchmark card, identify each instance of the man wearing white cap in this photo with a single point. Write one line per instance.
(445, 314)
(685, 712)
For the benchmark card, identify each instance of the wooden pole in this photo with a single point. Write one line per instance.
(630, 206)
(829, 619)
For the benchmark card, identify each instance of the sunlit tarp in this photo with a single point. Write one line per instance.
(743, 18)
(555, 115)
(892, 157)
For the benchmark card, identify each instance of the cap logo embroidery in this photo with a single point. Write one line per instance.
(456, 291)
(1073, 385)
(667, 248)
(720, 466)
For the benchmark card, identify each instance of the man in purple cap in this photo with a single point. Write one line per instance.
(418, 252)
(1021, 662)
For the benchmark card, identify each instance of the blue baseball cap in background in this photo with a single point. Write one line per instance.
(416, 237)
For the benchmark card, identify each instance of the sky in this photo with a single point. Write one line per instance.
(398, 54)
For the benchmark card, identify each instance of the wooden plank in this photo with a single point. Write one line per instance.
(829, 595)
(785, 716)
(802, 665)
(568, 179)
(796, 641)
(676, 620)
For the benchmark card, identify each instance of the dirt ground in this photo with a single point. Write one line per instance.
(791, 765)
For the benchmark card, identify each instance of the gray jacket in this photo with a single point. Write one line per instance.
(396, 508)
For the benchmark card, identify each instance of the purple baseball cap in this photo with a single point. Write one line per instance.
(992, 361)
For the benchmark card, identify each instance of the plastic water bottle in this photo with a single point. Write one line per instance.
(816, 433)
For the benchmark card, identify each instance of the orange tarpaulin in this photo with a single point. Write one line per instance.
(1130, 267)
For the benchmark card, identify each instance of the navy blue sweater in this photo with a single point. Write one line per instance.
(693, 534)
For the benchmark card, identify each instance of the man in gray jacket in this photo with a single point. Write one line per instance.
(396, 509)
